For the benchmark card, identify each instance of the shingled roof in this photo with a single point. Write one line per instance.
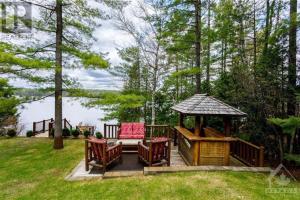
(201, 104)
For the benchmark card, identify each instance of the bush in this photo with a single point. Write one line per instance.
(11, 133)
(29, 133)
(86, 133)
(99, 135)
(75, 133)
(66, 132)
(52, 132)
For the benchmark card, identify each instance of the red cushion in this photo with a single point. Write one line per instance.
(159, 139)
(131, 136)
(138, 129)
(126, 129)
(94, 139)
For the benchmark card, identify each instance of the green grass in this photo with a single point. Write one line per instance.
(30, 169)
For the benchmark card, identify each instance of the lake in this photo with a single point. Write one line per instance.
(73, 111)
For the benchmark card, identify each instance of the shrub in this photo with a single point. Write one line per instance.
(86, 133)
(66, 132)
(29, 133)
(99, 135)
(11, 133)
(52, 132)
(75, 133)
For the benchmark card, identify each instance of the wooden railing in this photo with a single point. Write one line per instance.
(41, 126)
(66, 124)
(196, 150)
(157, 131)
(111, 131)
(248, 153)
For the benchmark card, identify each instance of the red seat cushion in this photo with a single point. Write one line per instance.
(125, 130)
(138, 130)
(132, 131)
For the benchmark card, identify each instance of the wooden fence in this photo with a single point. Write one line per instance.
(48, 125)
(248, 153)
(41, 126)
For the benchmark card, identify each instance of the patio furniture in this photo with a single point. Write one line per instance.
(132, 131)
(99, 154)
(130, 134)
(81, 128)
(156, 153)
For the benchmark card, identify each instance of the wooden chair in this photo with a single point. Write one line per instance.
(157, 153)
(99, 154)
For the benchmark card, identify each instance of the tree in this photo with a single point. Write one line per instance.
(149, 41)
(8, 102)
(68, 40)
(291, 107)
(288, 126)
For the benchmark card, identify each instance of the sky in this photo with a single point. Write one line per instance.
(109, 39)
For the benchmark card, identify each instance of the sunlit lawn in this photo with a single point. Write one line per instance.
(31, 169)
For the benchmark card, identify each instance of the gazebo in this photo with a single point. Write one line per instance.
(205, 146)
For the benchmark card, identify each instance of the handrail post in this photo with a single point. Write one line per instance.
(86, 156)
(175, 137)
(65, 123)
(261, 156)
(104, 130)
(34, 127)
(44, 126)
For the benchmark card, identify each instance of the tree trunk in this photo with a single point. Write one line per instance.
(58, 140)
(197, 5)
(291, 104)
(208, 52)
(292, 142)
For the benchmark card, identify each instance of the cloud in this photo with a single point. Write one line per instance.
(109, 40)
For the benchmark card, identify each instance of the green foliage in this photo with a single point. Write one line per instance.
(292, 158)
(66, 132)
(52, 132)
(88, 59)
(187, 72)
(29, 133)
(120, 106)
(75, 133)
(86, 133)
(288, 125)
(8, 102)
(99, 135)
(11, 133)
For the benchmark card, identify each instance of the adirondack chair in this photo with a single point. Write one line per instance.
(99, 154)
(157, 153)
(132, 131)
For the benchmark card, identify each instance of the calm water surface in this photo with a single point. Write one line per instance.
(72, 110)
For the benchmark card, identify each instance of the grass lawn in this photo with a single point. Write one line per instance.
(31, 169)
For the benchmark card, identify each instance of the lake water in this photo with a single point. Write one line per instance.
(73, 111)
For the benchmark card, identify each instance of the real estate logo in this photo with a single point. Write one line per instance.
(16, 17)
(279, 180)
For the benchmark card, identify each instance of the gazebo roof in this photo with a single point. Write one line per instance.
(201, 104)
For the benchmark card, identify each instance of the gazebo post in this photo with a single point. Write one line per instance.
(196, 144)
(181, 119)
(227, 126)
(197, 125)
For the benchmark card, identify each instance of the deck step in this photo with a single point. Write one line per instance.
(117, 174)
(129, 151)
